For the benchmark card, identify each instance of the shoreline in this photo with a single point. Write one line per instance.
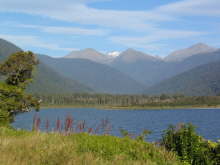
(130, 107)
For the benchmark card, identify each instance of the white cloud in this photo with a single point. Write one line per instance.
(65, 30)
(148, 23)
(33, 41)
(151, 41)
(192, 7)
(75, 11)
(78, 11)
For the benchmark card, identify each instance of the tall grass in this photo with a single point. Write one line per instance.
(54, 148)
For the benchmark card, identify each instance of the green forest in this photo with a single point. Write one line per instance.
(129, 101)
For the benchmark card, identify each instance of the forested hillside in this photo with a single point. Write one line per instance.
(100, 77)
(151, 71)
(132, 72)
(202, 80)
(46, 80)
(7, 48)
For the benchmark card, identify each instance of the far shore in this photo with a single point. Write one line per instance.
(101, 107)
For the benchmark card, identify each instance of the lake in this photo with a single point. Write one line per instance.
(134, 121)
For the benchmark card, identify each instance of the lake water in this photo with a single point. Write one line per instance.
(134, 121)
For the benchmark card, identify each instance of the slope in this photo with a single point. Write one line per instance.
(90, 54)
(45, 80)
(182, 54)
(142, 67)
(150, 71)
(100, 77)
(202, 80)
(48, 81)
(7, 48)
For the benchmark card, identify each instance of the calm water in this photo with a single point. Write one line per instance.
(206, 120)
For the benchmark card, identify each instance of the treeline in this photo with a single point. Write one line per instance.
(128, 100)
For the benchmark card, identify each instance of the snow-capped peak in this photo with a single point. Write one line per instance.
(114, 54)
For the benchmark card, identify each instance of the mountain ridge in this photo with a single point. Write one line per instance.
(132, 54)
(199, 81)
(7, 48)
(45, 79)
(90, 54)
(195, 49)
(129, 73)
(100, 77)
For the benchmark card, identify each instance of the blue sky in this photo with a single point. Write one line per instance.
(156, 27)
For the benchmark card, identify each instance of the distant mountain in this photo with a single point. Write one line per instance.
(150, 70)
(7, 48)
(100, 77)
(129, 72)
(181, 55)
(89, 54)
(132, 56)
(45, 80)
(202, 80)
(142, 67)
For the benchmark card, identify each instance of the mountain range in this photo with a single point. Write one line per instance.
(127, 72)
(100, 77)
(182, 54)
(45, 80)
(90, 54)
(152, 70)
(202, 80)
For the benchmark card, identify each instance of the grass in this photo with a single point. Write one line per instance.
(19, 147)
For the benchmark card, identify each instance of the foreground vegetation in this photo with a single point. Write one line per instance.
(107, 101)
(179, 145)
(190, 147)
(22, 147)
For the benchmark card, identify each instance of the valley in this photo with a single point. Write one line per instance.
(129, 72)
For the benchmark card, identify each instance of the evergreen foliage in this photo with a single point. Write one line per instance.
(17, 73)
(129, 101)
(18, 68)
(191, 147)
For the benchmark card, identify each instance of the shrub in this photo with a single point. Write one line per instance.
(189, 146)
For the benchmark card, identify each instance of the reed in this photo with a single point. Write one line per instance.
(68, 126)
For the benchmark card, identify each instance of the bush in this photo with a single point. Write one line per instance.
(4, 118)
(189, 146)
